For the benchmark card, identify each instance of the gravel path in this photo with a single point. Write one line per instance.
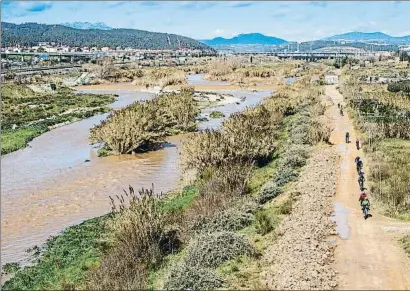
(303, 256)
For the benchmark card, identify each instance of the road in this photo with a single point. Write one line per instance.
(370, 257)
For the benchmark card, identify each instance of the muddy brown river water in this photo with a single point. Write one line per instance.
(49, 186)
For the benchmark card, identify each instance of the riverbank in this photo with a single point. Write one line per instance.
(27, 114)
(182, 201)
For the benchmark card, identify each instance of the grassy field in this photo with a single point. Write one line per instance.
(27, 114)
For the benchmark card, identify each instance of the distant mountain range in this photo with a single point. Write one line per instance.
(369, 37)
(87, 25)
(30, 34)
(243, 39)
(260, 39)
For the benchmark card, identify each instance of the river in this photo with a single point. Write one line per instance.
(49, 186)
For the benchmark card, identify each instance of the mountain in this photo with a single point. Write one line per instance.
(244, 39)
(369, 37)
(87, 25)
(30, 34)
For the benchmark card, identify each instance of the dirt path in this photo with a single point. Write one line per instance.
(369, 257)
(300, 259)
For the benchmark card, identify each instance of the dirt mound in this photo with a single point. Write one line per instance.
(301, 259)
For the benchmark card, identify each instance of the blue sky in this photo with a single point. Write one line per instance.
(294, 21)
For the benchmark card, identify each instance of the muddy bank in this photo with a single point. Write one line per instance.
(302, 257)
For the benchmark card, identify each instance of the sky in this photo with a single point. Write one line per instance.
(292, 21)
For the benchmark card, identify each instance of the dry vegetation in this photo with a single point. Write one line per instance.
(239, 70)
(142, 125)
(106, 72)
(383, 119)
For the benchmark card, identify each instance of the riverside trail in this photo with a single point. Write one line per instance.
(369, 257)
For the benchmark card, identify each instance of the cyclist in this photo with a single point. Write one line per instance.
(347, 137)
(365, 203)
(360, 165)
(362, 196)
(361, 180)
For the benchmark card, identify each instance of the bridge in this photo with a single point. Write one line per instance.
(71, 56)
(54, 54)
(307, 55)
(35, 70)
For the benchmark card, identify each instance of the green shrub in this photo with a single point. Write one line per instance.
(263, 223)
(284, 176)
(184, 277)
(229, 220)
(216, 114)
(103, 152)
(10, 268)
(210, 250)
(269, 191)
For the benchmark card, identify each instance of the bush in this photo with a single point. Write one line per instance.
(184, 277)
(233, 219)
(284, 176)
(212, 249)
(118, 272)
(245, 137)
(141, 235)
(269, 191)
(10, 268)
(103, 152)
(263, 223)
(140, 125)
(216, 114)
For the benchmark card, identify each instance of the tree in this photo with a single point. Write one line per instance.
(404, 56)
(106, 69)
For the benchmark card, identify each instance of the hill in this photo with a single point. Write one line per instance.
(369, 37)
(87, 25)
(244, 39)
(29, 34)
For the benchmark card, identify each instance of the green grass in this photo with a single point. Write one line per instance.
(216, 114)
(180, 201)
(64, 260)
(22, 106)
(12, 140)
(261, 175)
